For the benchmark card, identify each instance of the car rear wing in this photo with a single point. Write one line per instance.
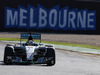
(34, 36)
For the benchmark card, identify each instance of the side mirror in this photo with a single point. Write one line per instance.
(19, 43)
(40, 44)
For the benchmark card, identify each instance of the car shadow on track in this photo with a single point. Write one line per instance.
(20, 64)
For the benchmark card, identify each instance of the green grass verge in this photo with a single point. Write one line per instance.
(57, 43)
(9, 39)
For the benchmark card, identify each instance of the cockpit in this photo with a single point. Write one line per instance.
(30, 37)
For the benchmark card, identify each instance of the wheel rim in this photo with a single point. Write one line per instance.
(52, 61)
(7, 61)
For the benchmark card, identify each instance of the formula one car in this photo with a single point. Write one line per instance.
(29, 52)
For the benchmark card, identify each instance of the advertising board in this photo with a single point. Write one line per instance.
(68, 16)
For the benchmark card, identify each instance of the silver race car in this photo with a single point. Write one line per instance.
(29, 52)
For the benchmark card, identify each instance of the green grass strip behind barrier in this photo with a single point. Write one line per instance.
(57, 43)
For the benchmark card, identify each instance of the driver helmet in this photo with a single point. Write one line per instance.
(30, 42)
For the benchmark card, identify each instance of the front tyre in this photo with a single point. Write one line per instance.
(50, 54)
(8, 54)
